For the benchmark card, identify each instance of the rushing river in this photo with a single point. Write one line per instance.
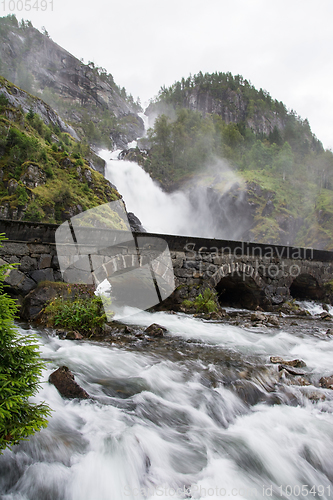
(200, 413)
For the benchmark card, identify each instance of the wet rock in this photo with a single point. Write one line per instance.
(73, 335)
(326, 382)
(325, 307)
(316, 396)
(63, 380)
(61, 333)
(296, 363)
(155, 330)
(276, 359)
(135, 223)
(302, 381)
(325, 315)
(258, 316)
(215, 315)
(249, 392)
(291, 370)
(107, 329)
(272, 320)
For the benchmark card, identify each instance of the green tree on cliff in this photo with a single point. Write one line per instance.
(20, 369)
(285, 161)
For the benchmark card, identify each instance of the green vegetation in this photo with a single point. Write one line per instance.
(20, 371)
(43, 172)
(285, 165)
(205, 302)
(84, 314)
(183, 140)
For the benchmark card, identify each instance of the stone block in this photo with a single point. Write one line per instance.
(177, 255)
(177, 261)
(282, 290)
(55, 262)
(57, 276)
(183, 273)
(27, 285)
(192, 264)
(42, 275)
(12, 259)
(14, 278)
(38, 248)
(44, 261)
(28, 264)
(14, 248)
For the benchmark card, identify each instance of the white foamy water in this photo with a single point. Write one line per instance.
(160, 212)
(313, 307)
(155, 427)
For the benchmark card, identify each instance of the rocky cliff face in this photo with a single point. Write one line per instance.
(20, 99)
(235, 100)
(79, 92)
(233, 108)
(230, 105)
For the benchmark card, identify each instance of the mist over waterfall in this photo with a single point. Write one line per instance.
(159, 212)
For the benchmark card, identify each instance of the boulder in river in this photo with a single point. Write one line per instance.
(296, 363)
(273, 320)
(63, 380)
(326, 382)
(325, 315)
(258, 316)
(155, 330)
(291, 370)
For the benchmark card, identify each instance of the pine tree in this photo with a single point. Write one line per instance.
(20, 370)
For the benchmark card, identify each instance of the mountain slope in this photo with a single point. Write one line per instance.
(45, 174)
(84, 95)
(263, 174)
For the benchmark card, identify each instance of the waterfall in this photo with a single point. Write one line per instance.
(159, 212)
(199, 413)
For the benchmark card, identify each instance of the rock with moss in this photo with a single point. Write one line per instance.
(41, 179)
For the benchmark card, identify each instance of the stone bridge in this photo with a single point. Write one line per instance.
(245, 274)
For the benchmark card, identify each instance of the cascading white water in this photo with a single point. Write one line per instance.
(159, 212)
(198, 414)
(166, 422)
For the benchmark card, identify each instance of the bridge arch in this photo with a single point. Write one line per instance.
(237, 284)
(306, 286)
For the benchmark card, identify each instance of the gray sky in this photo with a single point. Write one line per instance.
(283, 46)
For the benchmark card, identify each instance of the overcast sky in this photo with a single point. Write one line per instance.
(283, 46)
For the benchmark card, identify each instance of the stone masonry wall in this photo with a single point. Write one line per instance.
(36, 262)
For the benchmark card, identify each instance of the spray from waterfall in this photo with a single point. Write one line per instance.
(191, 212)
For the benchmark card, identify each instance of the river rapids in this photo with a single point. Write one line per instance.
(199, 413)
